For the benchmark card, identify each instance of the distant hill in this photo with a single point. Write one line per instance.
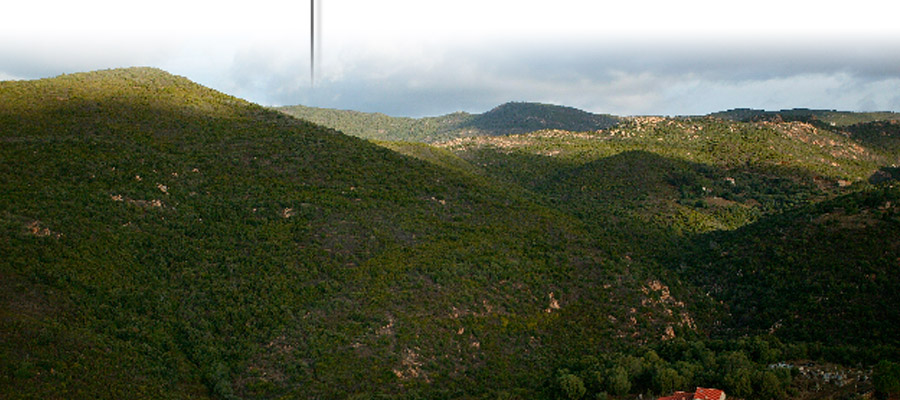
(653, 180)
(379, 126)
(509, 118)
(833, 117)
(515, 118)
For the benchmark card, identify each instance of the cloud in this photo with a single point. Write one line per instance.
(413, 58)
(635, 78)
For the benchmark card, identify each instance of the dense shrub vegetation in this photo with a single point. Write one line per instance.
(833, 117)
(163, 240)
(502, 120)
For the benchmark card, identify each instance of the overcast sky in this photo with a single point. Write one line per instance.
(418, 58)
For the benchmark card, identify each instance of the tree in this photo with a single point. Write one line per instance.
(732, 361)
(617, 381)
(886, 378)
(666, 380)
(572, 386)
(767, 386)
(737, 383)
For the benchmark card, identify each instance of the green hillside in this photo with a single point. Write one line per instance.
(382, 127)
(728, 206)
(826, 272)
(515, 118)
(682, 175)
(832, 117)
(163, 240)
(882, 136)
(159, 239)
(509, 118)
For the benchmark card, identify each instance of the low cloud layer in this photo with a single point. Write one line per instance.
(410, 58)
(625, 80)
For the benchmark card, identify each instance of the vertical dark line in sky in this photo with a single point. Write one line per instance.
(312, 43)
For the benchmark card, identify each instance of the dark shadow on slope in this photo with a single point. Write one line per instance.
(820, 273)
(885, 174)
(882, 136)
(516, 118)
(654, 199)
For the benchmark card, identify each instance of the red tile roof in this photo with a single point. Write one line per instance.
(709, 394)
(679, 396)
(700, 394)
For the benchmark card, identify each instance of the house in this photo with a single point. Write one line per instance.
(678, 396)
(700, 394)
(709, 394)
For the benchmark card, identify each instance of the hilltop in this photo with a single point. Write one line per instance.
(515, 118)
(509, 118)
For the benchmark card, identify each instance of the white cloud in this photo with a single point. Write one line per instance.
(418, 57)
(7, 77)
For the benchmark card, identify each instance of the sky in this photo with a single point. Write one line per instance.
(424, 58)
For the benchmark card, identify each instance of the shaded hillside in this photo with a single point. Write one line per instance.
(826, 153)
(833, 117)
(650, 185)
(509, 118)
(516, 118)
(682, 175)
(163, 240)
(650, 198)
(883, 136)
(822, 273)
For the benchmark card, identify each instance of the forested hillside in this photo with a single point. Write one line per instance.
(505, 119)
(163, 240)
(160, 239)
(831, 117)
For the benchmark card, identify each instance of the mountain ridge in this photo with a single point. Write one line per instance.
(508, 118)
(524, 117)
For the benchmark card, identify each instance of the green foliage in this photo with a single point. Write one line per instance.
(206, 246)
(838, 118)
(819, 273)
(163, 240)
(882, 136)
(666, 380)
(617, 381)
(767, 386)
(378, 126)
(571, 386)
(509, 118)
(886, 378)
(737, 383)
(515, 118)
